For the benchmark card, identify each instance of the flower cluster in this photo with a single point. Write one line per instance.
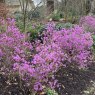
(75, 43)
(88, 23)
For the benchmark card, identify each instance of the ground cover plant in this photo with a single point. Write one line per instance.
(36, 63)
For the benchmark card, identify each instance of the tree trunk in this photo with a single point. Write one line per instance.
(92, 10)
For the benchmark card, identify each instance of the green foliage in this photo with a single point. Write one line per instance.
(34, 31)
(93, 47)
(57, 16)
(19, 24)
(93, 37)
(34, 15)
(51, 92)
(18, 16)
(64, 25)
(72, 16)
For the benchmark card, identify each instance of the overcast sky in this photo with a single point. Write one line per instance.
(36, 1)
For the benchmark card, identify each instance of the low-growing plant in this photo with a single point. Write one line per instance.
(56, 16)
(64, 25)
(35, 30)
(51, 92)
(34, 15)
(18, 15)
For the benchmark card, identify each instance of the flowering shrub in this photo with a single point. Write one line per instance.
(71, 45)
(88, 23)
(74, 43)
(15, 54)
(13, 47)
(59, 46)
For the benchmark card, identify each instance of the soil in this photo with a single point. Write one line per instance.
(74, 81)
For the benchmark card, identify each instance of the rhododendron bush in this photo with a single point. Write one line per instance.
(37, 62)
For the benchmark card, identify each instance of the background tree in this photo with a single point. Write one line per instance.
(24, 6)
(92, 10)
